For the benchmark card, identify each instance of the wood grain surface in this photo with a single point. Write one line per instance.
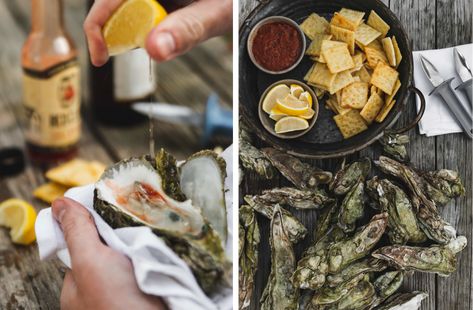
(25, 282)
(429, 25)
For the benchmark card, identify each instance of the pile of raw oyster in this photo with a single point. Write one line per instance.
(371, 233)
(184, 205)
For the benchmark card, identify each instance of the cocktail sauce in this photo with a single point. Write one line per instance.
(277, 46)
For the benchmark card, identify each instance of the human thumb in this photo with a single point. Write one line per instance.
(185, 28)
(79, 230)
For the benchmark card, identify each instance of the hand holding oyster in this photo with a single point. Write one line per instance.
(184, 205)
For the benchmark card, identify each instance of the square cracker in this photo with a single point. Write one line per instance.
(316, 44)
(364, 34)
(49, 192)
(344, 35)
(384, 77)
(354, 16)
(355, 95)
(326, 44)
(397, 51)
(338, 59)
(372, 108)
(375, 21)
(77, 172)
(375, 56)
(342, 80)
(364, 75)
(389, 51)
(319, 92)
(358, 61)
(315, 24)
(321, 76)
(385, 111)
(307, 75)
(329, 104)
(350, 123)
(339, 109)
(343, 22)
(390, 98)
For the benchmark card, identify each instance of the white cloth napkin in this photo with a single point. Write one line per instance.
(437, 119)
(158, 270)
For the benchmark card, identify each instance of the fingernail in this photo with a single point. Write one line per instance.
(60, 206)
(165, 43)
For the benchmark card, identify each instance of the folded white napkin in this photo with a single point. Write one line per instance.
(158, 270)
(437, 119)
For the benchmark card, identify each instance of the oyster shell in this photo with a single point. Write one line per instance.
(301, 174)
(248, 254)
(140, 191)
(296, 198)
(394, 145)
(280, 293)
(350, 175)
(202, 179)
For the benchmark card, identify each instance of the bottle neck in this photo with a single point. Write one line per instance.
(47, 16)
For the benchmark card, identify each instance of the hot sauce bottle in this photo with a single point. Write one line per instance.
(51, 92)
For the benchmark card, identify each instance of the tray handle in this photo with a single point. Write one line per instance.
(419, 115)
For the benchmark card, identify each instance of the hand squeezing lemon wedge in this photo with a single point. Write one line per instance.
(130, 24)
(20, 217)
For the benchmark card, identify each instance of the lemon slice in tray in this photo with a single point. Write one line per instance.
(291, 105)
(290, 123)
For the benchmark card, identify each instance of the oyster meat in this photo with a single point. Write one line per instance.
(145, 191)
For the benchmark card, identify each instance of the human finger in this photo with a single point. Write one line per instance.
(185, 28)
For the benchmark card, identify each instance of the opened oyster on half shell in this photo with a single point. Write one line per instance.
(183, 205)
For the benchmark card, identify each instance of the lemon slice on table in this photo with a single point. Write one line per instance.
(130, 24)
(292, 106)
(290, 123)
(308, 115)
(305, 96)
(296, 90)
(276, 114)
(20, 217)
(277, 92)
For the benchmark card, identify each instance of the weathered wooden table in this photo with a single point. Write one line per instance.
(25, 282)
(430, 25)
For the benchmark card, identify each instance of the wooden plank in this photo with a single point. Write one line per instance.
(455, 152)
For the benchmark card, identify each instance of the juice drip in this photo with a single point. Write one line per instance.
(150, 118)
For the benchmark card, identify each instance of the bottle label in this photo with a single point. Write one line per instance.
(133, 75)
(52, 105)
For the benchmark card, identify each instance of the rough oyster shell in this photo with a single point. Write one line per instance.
(139, 191)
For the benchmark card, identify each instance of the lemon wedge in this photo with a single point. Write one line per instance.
(276, 114)
(277, 92)
(308, 115)
(305, 96)
(290, 123)
(291, 105)
(296, 90)
(20, 217)
(130, 24)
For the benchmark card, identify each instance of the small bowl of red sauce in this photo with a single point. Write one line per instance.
(276, 45)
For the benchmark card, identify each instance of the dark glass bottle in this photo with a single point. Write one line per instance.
(122, 81)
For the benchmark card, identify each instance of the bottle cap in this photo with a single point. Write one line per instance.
(12, 161)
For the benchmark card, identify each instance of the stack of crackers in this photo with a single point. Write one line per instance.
(355, 64)
(77, 172)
